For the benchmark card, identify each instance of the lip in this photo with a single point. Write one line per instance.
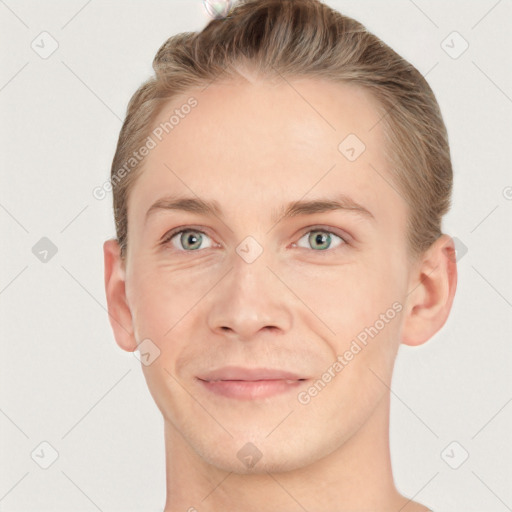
(250, 383)
(248, 374)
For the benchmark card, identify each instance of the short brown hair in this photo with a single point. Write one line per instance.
(304, 38)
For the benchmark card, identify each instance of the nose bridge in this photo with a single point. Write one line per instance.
(250, 297)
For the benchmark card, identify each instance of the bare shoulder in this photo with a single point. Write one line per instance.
(416, 507)
(406, 505)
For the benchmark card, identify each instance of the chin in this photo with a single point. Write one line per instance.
(246, 455)
(269, 463)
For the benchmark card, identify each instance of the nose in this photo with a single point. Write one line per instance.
(250, 299)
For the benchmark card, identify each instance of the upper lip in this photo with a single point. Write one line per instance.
(248, 374)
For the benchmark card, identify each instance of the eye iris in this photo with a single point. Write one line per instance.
(320, 237)
(193, 238)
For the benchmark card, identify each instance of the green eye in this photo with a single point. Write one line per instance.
(188, 240)
(191, 240)
(321, 240)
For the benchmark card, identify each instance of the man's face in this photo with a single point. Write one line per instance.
(250, 309)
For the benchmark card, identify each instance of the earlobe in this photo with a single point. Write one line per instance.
(432, 289)
(119, 313)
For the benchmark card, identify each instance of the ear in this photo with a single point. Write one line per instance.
(118, 310)
(432, 288)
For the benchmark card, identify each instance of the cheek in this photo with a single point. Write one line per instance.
(343, 300)
(162, 296)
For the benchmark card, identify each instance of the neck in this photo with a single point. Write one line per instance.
(355, 476)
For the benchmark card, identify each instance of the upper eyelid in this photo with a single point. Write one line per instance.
(175, 231)
(344, 236)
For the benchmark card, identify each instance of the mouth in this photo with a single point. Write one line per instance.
(250, 383)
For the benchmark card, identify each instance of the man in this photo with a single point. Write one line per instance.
(278, 189)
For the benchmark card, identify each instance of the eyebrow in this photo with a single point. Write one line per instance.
(342, 202)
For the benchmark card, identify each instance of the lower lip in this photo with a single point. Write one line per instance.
(250, 389)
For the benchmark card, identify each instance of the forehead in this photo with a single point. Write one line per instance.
(257, 144)
(270, 118)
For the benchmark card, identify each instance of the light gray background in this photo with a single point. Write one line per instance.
(63, 378)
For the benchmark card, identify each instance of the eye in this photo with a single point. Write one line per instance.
(321, 240)
(193, 240)
(188, 240)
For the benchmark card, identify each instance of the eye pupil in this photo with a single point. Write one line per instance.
(321, 238)
(190, 237)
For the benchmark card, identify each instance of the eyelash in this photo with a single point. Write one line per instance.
(182, 229)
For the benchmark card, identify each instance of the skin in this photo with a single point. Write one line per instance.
(254, 146)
